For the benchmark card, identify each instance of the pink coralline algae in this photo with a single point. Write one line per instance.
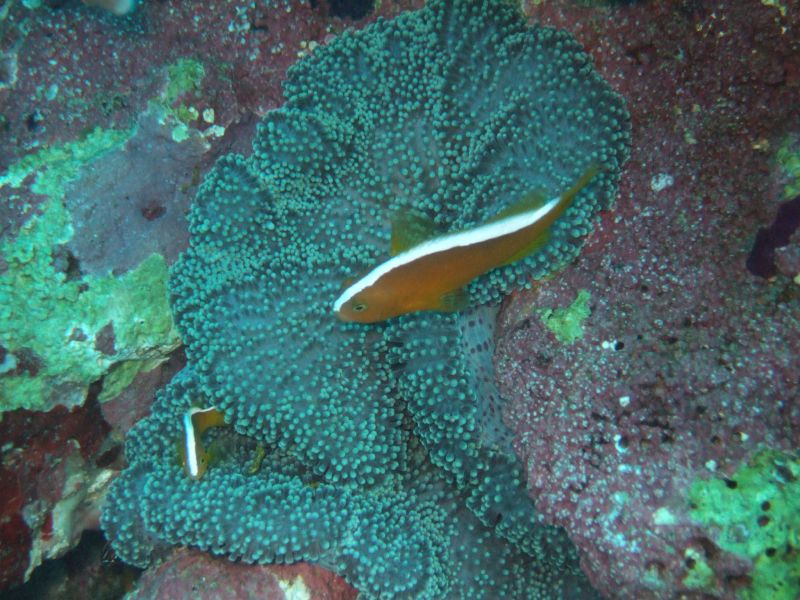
(194, 574)
(53, 473)
(55, 468)
(689, 363)
(68, 69)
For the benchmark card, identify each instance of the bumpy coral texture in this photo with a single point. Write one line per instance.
(387, 459)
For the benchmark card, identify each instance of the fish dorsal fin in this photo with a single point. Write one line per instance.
(351, 280)
(530, 201)
(454, 300)
(410, 229)
(536, 199)
(347, 283)
(202, 419)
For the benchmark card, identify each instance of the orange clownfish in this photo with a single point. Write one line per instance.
(431, 275)
(193, 454)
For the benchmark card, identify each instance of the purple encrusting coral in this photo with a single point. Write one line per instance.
(761, 260)
(66, 69)
(689, 364)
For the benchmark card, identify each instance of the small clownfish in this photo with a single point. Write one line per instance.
(197, 421)
(431, 275)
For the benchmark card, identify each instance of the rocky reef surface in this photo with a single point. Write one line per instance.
(651, 385)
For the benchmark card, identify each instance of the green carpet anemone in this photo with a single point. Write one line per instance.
(387, 460)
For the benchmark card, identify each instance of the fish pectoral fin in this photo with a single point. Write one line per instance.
(534, 245)
(530, 201)
(410, 229)
(453, 301)
(213, 453)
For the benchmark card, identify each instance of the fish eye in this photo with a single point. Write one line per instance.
(359, 306)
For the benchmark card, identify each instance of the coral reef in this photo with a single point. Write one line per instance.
(179, 575)
(56, 467)
(679, 380)
(386, 457)
(61, 332)
(78, 128)
(687, 367)
(761, 498)
(66, 69)
(106, 127)
(51, 484)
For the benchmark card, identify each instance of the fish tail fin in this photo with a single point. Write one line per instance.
(537, 198)
(568, 196)
(530, 201)
(540, 241)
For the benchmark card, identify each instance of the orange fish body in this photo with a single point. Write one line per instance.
(197, 421)
(431, 275)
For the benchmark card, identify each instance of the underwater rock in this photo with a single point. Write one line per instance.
(193, 574)
(686, 369)
(56, 468)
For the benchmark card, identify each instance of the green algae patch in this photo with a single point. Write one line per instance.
(61, 331)
(173, 108)
(54, 166)
(701, 575)
(775, 4)
(788, 157)
(567, 323)
(755, 514)
(184, 76)
(122, 374)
